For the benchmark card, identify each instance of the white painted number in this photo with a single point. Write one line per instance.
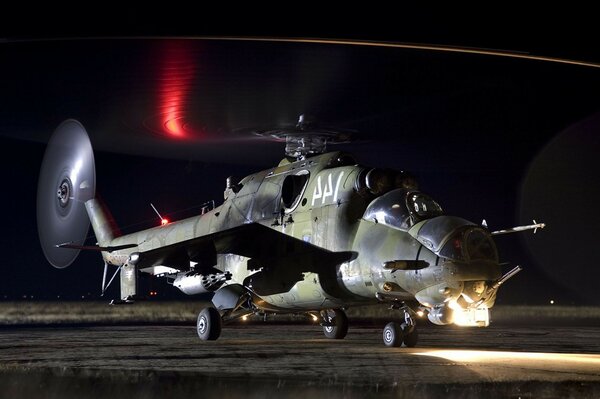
(322, 193)
(317, 193)
(328, 190)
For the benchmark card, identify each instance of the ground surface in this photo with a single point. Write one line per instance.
(283, 360)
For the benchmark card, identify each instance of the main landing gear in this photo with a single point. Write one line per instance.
(335, 323)
(209, 324)
(395, 334)
(229, 303)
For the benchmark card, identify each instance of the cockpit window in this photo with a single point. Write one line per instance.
(293, 187)
(423, 205)
(401, 209)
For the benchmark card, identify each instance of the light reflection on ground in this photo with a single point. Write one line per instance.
(475, 356)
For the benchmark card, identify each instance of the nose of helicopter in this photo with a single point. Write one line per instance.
(457, 241)
(467, 260)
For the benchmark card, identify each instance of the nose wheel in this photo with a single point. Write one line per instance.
(396, 334)
(410, 335)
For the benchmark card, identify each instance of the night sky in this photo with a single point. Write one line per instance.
(497, 138)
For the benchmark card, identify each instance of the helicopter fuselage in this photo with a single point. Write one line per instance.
(330, 202)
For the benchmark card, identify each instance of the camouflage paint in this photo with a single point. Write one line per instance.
(328, 212)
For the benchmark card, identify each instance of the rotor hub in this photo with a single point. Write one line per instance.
(63, 193)
(306, 138)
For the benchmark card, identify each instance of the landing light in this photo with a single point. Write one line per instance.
(245, 317)
(454, 306)
(420, 313)
(315, 318)
(164, 222)
(470, 317)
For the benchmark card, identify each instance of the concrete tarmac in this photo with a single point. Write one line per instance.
(275, 360)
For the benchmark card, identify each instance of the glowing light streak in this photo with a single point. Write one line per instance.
(363, 43)
(177, 75)
(476, 356)
(411, 46)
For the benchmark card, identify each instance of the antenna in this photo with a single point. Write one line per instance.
(163, 221)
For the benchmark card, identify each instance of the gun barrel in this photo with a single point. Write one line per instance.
(504, 278)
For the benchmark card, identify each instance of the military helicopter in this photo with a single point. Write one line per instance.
(316, 234)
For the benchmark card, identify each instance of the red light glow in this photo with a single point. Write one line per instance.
(177, 76)
(173, 126)
(164, 221)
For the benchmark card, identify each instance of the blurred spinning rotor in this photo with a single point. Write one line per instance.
(67, 180)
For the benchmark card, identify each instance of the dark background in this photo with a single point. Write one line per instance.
(489, 137)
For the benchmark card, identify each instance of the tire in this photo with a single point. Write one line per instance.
(410, 335)
(392, 335)
(339, 329)
(208, 325)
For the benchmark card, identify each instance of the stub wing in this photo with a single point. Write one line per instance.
(266, 248)
(69, 245)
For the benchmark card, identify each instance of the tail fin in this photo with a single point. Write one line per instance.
(106, 230)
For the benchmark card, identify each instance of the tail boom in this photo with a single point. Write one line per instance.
(103, 223)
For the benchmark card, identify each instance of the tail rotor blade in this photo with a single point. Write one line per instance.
(67, 180)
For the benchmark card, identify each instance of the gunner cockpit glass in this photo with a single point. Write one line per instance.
(401, 209)
(422, 206)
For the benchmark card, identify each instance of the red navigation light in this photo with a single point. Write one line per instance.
(164, 221)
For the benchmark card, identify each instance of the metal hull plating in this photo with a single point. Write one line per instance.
(325, 210)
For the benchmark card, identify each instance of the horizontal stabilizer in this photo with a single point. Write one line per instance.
(95, 247)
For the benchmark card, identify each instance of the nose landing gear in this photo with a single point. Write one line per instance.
(395, 334)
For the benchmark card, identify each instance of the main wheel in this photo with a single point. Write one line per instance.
(339, 324)
(411, 336)
(392, 334)
(209, 324)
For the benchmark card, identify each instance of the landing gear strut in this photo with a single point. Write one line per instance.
(395, 334)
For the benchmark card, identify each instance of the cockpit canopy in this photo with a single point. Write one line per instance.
(401, 208)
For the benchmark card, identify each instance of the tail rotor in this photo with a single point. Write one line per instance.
(67, 180)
